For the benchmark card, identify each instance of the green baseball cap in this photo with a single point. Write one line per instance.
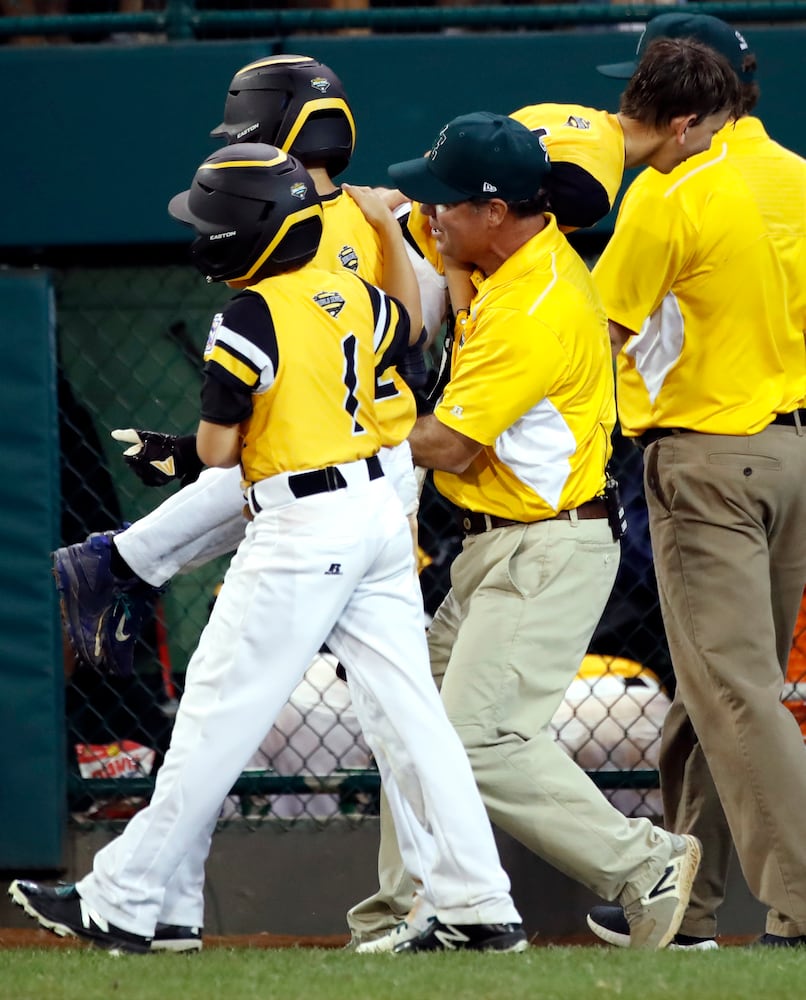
(701, 27)
(480, 155)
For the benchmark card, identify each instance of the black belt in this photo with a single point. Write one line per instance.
(307, 484)
(792, 419)
(474, 523)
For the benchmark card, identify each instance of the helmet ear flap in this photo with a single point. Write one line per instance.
(299, 245)
(255, 211)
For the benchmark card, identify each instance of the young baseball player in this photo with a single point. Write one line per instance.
(708, 332)
(299, 103)
(327, 556)
(107, 582)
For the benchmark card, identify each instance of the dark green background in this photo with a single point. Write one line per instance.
(98, 138)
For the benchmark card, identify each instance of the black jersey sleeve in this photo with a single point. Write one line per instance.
(392, 328)
(241, 359)
(576, 197)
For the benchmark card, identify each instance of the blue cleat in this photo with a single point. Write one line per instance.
(103, 614)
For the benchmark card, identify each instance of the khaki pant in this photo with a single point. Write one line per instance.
(504, 646)
(727, 518)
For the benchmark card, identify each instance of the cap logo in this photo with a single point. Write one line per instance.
(441, 138)
(321, 84)
(298, 190)
(741, 40)
(488, 188)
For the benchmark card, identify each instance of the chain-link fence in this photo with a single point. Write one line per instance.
(130, 342)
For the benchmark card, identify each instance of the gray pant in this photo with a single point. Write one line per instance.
(504, 646)
(727, 518)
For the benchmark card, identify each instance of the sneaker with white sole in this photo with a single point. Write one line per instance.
(173, 937)
(62, 910)
(440, 936)
(403, 932)
(610, 924)
(655, 917)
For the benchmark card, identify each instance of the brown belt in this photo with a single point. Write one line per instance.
(473, 523)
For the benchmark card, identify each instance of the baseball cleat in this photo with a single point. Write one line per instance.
(172, 937)
(103, 614)
(610, 924)
(655, 917)
(61, 909)
(388, 942)
(465, 937)
(777, 941)
(417, 920)
(120, 628)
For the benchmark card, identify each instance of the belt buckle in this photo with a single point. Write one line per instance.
(333, 478)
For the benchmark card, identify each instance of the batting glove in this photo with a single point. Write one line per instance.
(157, 459)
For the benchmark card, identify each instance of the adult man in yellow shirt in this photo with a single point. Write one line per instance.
(520, 441)
(704, 282)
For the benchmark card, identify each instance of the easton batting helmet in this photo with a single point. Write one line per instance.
(294, 103)
(255, 211)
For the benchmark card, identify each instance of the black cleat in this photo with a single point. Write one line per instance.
(171, 937)
(60, 909)
(466, 937)
(777, 941)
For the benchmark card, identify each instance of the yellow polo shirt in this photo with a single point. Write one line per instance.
(708, 266)
(586, 149)
(532, 381)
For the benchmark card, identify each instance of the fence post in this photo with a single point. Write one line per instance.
(179, 19)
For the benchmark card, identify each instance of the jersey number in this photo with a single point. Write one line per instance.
(351, 403)
(385, 387)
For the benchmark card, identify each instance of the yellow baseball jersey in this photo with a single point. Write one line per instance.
(708, 266)
(586, 149)
(294, 359)
(532, 381)
(348, 240)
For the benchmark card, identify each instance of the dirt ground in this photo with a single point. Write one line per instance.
(37, 938)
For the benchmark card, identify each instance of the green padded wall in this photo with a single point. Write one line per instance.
(32, 752)
(104, 135)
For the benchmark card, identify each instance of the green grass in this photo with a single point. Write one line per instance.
(317, 974)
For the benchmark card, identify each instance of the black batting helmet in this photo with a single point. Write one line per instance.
(294, 103)
(255, 211)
